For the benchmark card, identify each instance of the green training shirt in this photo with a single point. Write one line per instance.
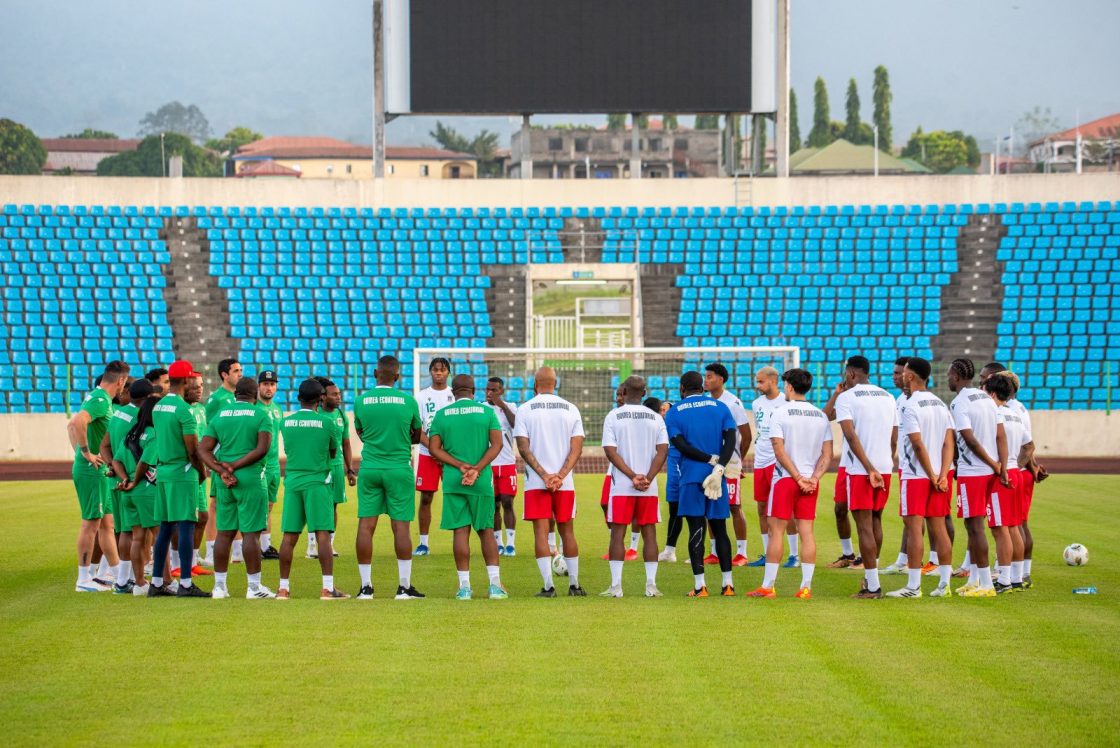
(275, 418)
(172, 419)
(218, 398)
(308, 437)
(235, 427)
(464, 429)
(147, 454)
(100, 407)
(119, 423)
(385, 418)
(342, 424)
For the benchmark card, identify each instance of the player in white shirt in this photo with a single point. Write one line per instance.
(715, 382)
(1005, 509)
(867, 418)
(504, 468)
(801, 438)
(549, 434)
(925, 467)
(901, 563)
(981, 463)
(605, 495)
(769, 398)
(428, 468)
(636, 443)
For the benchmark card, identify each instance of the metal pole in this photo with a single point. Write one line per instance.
(635, 152)
(526, 149)
(378, 90)
(781, 126)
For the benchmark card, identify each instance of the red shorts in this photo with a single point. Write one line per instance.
(841, 494)
(505, 479)
(733, 498)
(1026, 495)
(972, 495)
(543, 504)
(606, 494)
(940, 502)
(913, 497)
(428, 473)
(786, 501)
(763, 477)
(623, 510)
(862, 496)
(1003, 504)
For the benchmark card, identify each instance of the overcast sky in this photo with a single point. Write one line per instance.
(303, 67)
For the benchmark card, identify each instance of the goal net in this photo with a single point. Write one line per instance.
(589, 377)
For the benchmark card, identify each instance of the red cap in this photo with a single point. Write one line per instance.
(181, 370)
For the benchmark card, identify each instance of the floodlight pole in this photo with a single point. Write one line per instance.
(526, 148)
(781, 125)
(378, 89)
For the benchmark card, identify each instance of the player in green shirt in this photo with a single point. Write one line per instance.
(388, 423)
(244, 434)
(124, 414)
(178, 474)
(86, 430)
(466, 437)
(266, 392)
(193, 396)
(309, 438)
(134, 463)
(342, 471)
(229, 373)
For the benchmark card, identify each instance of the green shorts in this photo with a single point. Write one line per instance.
(338, 484)
(178, 501)
(111, 501)
(272, 482)
(139, 507)
(463, 509)
(243, 507)
(388, 491)
(92, 490)
(203, 499)
(307, 507)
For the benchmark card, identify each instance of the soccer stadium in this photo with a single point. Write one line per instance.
(757, 455)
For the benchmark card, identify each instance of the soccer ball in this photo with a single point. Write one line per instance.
(1076, 555)
(559, 566)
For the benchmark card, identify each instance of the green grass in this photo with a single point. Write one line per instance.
(1034, 668)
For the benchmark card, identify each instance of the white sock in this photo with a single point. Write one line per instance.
(186, 583)
(698, 581)
(404, 573)
(944, 574)
(364, 573)
(328, 581)
(573, 570)
(122, 573)
(902, 560)
(914, 578)
(1004, 574)
(509, 537)
(727, 581)
(634, 540)
(464, 578)
(986, 577)
(103, 568)
(1026, 567)
(210, 549)
(237, 547)
(84, 574)
(967, 560)
(495, 576)
(846, 547)
(285, 584)
(872, 577)
(266, 541)
(713, 546)
(552, 541)
(651, 572)
(312, 541)
(792, 539)
(544, 563)
(194, 557)
(973, 575)
(616, 573)
(498, 537)
(220, 579)
(807, 574)
(254, 580)
(157, 581)
(770, 576)
(741, 547)
(933, 559)
(423, 540)
(670, 549)
(1016, 572)
(765, 541)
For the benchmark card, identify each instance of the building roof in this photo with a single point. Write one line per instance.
(267, 169)
(1098, 129)
(919, 168)
(311, 147)
(842, 157)
(90, 145)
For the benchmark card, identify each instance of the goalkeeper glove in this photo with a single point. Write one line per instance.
(713, 484)
(734, 469)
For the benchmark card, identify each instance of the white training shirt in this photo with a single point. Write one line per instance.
(430, 401)
(927, 415)
(975, 410)
(1017, 430)
(1025, 414)
(635, 431)
(763, 409)
(803, 429)
(872, 412)
(549, 422)
(739, 413)
(507, 455)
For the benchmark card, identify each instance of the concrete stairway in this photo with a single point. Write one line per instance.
(661, 304)
(582, 240)
(197, 309)
(505, 301)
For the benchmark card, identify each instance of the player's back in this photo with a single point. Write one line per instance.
(308, 437)
(384, 418)
(924, 413)
(975, 411)
(701, 420)
(873, 415)
(549, 422)
(803, 428)
(635, 431)
(235, 427)
(1016, 431)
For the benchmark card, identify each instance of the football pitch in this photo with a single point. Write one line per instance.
(1041, 667)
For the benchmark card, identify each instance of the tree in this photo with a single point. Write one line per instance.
(971, 146)
(821, 134)
(794, 126)
(852, 132)
(21, 152)
(882, 97)
(643, 121)
(175, 117)
(616, 121)
(234, 139)
(939, 150)
(483, 146)
(147, 160)
(1034, 125)
(91, 134)
(707, 122)
(669, 122)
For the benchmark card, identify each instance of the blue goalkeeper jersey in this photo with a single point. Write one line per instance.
(701, 420)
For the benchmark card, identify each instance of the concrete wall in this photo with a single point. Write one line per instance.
(1079, 433)
(584, 192)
